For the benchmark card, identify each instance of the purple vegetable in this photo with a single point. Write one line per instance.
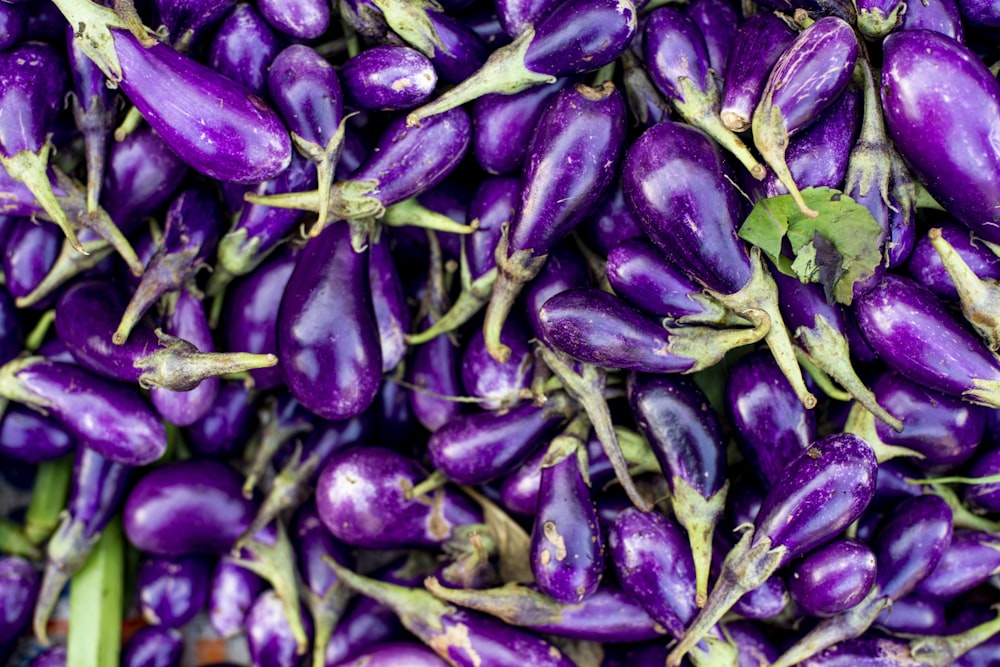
(914, 615)
(501, 384)
(172, 589)
(185, 19)
(833, 578)
(929, 123)
(717, 21)
(516, 16)
(877, 18)
(281, 418)
(18, 589)
(243, 48)
(970, 559)
(153, 646)
(435, 372)
(28, 257)
(388, 78)
(270, 636)
(564, 269)
(925, 265)
(980, 13)
(758, 43)
(233, 590)
(303, 19)
(13, 21)
(27, 436)
(392, 314)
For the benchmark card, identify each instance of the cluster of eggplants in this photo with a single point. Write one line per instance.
(371, 329)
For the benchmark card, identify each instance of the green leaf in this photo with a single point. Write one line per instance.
(96, 603)
(836, 249)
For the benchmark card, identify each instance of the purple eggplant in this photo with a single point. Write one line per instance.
(925, 265)
(13, 22)
(153, 646)
(757, 45)
(243, 48)
(916, 336)
(984, 495)
(717, 21)
(499, 384)
(394, 653)
(392, 313)
(214, 124)
(820, 60)
(334, 372)
(583, 130)
(970, 559)
(27, 436)
(270, 636)
(565, 269)
(914, 615)
(172, 589)
(28, 257)
(571, 39)
(224, 429)
(302, 19)
(363, 498)
(877, 18)
(461, 637)
(19, 588)
(966, 99)
(281, 419)
(186, 19)
(435, 374)
(517, 15)
(232, 591)
(833, 578)
(684, 433)
(388, 78)
(818, 494)
(99, 487)
(52, 657)
(678, 185)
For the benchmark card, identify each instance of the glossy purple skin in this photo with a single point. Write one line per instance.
(764, 602)
(753, 643)
(944, 429)
(938, 15)
(306, 93)
(233, 589)
(598, 328)
(914, 334)
(457, 50)
(581, 36)
(485, 377)
(864, 652)
(18, 590)
(111, 418)
(675, 182)
(302, 19)
(818, 155)
(53, 657)
(803, 303)
(187, 507)
(312, 542)
(181, 16)
(833, 578)
(983, 496)
(717, 21)
(567, 550)
(435, 366)
(247, 142)
(189, 322)
(29, 252)
(172, 589)
(758, 43)
(914, 615)
(392, 313)
(269, 634)
(812, 72)
(365, 622)
(32, 81)
(396, 653)
(925, 267)
(388, 77)
(361, 498)
(493, 206)
(818, 494)
(564, 269)
(639, 273)
(971, 559)
(675, 417)
(503, 125)
(772, 425)
(243, 48)
(99, 486)
(519, 489)
(929, 123)
(654, 566)
(516, 15)
(980, 13)
(12, 24)
(582, 130)
(154, 646)
(911, 544)
(674, 49)
(27, 436)
(334, 372)
(408, 161)
(142, 173)
(612, 223)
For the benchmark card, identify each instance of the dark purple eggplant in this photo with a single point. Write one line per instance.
(925, 265)
(965, 101)
(172, 590)
(435, 374)
(570, 39)
(99, 487)
(501, 385)
(19, 589)
(392, 313)
(13, 21)
(186, 19)
(243, 47)
(916, 336)
(27, 436)
(565, 269)
(914, 615)
(233, 590)
(820, 60)
(970, 559)
(270, 636)
(833, 578)
(818, 494)
(334, 372)
(29, 253)
(302, 19)
(394, 653)
(153, 646)
(717, 21)
(388, 78)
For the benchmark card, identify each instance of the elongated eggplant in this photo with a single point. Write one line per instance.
(925, 265)
(153, 646)
(186, 19)
(392, 313)
(564, 269)
(243, 47)
(172, 590)
(395, 653)
(501, 384)
(270, 637)
(971, 558)
(435, 373)
(965, 102)
(30, 252)
(27, 436)
(388, 78)
(833, 578)
(233, 590)
(302, 19)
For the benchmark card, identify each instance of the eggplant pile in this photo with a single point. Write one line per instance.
(495, 333)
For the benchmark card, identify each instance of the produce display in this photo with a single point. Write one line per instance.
(496, 333)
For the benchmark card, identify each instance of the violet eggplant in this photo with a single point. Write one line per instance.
(583, 130)
(99, 487)
(392, 313)
(302, 19)
(678, 185)
(966, 101)
(609, 615)
(564, 269)
(914, 616)
(758, 43)
(186, 19)
(11, 338)
(270, 636)
(388, 78)
(13, 21)
(232, 592)
(224, 429)
(819, 494)
(717, 22)
(34, 80)
(501, 385)
(29, 253)
(970, 559)
(678, 62)
(395, 653)
(982, 495)
(639, 272)
(334, 372)
(643, 98)
(517, 15)
(243, 47)
(833, 578)
(820, 60)
(571, 39)
(363, 499)
(684, 434)
(108, 417)
(19, 588)
(435, 375)
(172, 589)
(214, 124)
(153, 646)
(461, 637)
(925, 265)
(27, 436)
(916, 336)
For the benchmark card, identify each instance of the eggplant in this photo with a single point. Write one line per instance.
(172, 590)
(270, 636)
(27, 436)
(501, 385)
(243, 47)
(970, 559)
(833, 578)
(153, 646)
(925, 265)
(302, 19)
(435, 374)
(19, 588)
(395, 653)
(231, 593)
(388, 77)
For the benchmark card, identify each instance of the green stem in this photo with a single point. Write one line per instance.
(34, 340)
(13, 541)
(48, 499)
(96, 603)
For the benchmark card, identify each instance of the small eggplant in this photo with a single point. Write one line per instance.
(232, 591)
(172, 590)
(833, 578)
(971, 558)
(388, 78)
(27, 436)
(270, 636)
(186, 19)
(925, 265)
(395, 653)
(435, 374)
(19, 589)
(153, 646)
(243, 47)
(392, 313)
(301, 19)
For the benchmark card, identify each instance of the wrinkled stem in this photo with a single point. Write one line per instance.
(287, 490)
(271, 435)
(771, 139)
(945, 651)
(15, 541)
(411, 213)
(178, 365)
(699, 516)
(67, 266)
(979, 297)
(32, 170)
(48, 498)
(66, 553)
(819, 376)
(469, 302)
